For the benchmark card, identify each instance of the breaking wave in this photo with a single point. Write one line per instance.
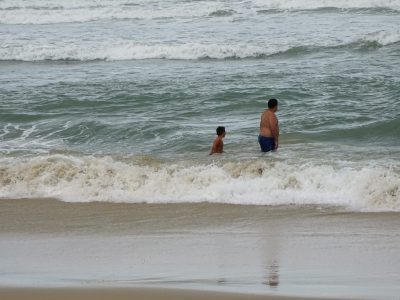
(129, 50)
(51, 12)
(253, 182)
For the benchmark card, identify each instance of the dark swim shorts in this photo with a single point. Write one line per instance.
(266, 143)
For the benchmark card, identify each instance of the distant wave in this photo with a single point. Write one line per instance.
(131, 51)
(222, 13)
(91, 11)
(371, 40)
(377, 131)
(50, 12)
(257, 182)
(343, 5)
(380, 38)
(128, 50)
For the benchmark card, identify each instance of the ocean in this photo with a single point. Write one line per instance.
(118, 101)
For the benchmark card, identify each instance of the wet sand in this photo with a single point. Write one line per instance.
(195, 251)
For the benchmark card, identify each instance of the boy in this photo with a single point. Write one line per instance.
(218, 145)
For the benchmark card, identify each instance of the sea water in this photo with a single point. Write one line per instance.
(119, 100)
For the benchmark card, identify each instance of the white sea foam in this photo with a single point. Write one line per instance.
(128, 50)
(383, 38)
(48, 12)
(318, 4)
(257, 182)
(86, 11)
(22, 138)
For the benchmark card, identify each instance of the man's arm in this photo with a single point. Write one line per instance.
(274, 126)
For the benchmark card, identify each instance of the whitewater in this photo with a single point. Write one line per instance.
(257, 182)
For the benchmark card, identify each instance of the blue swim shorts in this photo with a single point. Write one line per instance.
(266, 143)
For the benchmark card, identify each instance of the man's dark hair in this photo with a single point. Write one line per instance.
(272, 103)
(220, 130)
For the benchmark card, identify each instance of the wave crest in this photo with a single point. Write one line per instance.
(257, 182)
(58, 11)
(381, 38)
(129, 50)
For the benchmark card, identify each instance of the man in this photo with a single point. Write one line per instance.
(269, 128)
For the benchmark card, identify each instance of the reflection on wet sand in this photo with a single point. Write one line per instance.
(271, 245)
(273, 275)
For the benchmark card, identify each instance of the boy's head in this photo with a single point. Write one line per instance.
(220, 130)
(272, 103)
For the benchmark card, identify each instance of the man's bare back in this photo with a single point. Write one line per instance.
(269, 124)
(269, 127)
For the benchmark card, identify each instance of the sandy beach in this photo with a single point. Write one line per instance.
(195, 251)
(130, 293)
